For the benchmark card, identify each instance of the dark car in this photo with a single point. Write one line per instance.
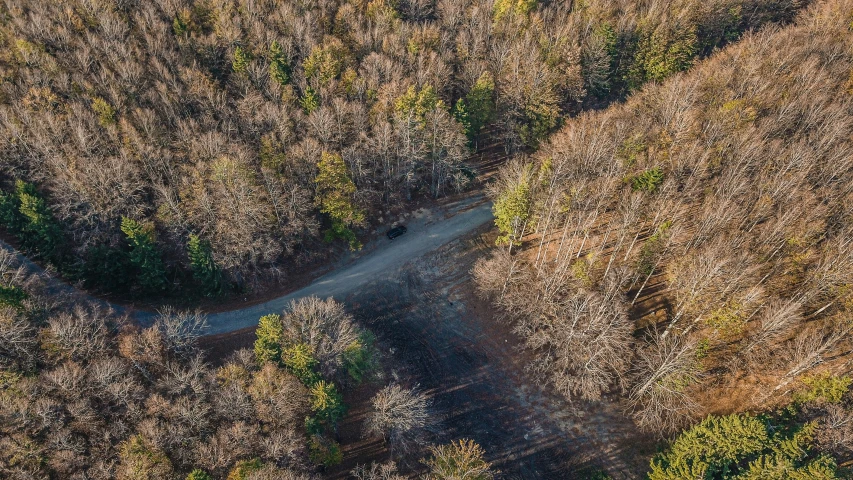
(396, 232)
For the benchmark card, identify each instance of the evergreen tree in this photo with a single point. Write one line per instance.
(144, 256)
(480, 105)
(334, 194)
(26, 215)
(299, 359)
(243, 469)
(512, 210)
(310, 101)
(460, 113)
(506, 8)
(416, 103)
(268, 344)
(199, 474)
(108, 268)
(12, 296)
(242, 58)
(205, 272)
(663, 53)
(279, 66)
(741, 446)
(326, 402)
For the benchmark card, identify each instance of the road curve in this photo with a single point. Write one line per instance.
(420, 239)
(423, 236)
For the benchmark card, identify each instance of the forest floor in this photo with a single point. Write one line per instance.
(434, 332)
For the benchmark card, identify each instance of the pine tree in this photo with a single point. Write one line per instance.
(326, 402)
(268, 344)
(299, 359)
(279, 67)
(480, 104)
(144, 256)
(241, 60)
(512, 210)
(26, 215)
(199, 474)
(310, 101)
(416, 103)
(12, 296)
(334, 194)
(742, 446)
(205, 272)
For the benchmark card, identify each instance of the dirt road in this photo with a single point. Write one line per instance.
(425, 235)
(428, 231)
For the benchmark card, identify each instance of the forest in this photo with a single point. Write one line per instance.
(673, 224)
(689, 249)
(209, 145)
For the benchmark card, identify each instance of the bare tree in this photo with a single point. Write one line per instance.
(377, 471)
(324, 326)
(180, 330)
(661, 375)
(401, 416)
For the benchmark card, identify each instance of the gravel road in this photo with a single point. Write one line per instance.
(424, 235)
(426, 232)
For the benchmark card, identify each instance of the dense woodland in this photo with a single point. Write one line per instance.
(689, 250)
(172, 145)
(675, 233)
(86, 394)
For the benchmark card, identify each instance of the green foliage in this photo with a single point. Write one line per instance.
(205, 272)
(728, 321)
(631, 149)
(180, 28)
(141, 461)
(241, 61)
(539, 120)
(105, 112)
(268, 343)
(243, 469)
(512, 210)
(199, 474)
(597, 475)
(326, 402)
(604, 37)
(647, 181)
(505, 8)
(108, 268)
(478, 106)
(741, 446)
(416, 103)
(359, 358)
(299, 359)
(326, 62)
(334, 193)
(663, 53)
(12, 296)
(460, 113)
(581, 270)
(310, 100)
(26, 215)
(144, 256)
(279, 66)
(324, 451)
(823, 387)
